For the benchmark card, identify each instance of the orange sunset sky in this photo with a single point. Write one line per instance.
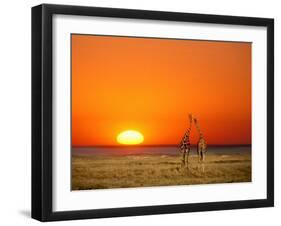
(150, 85)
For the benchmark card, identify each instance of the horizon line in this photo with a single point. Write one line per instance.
(152, 145)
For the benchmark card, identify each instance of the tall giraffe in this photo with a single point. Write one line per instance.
(201, 145)
(185, 143)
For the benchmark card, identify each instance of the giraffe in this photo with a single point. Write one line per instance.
(201, 144)
(185, 143)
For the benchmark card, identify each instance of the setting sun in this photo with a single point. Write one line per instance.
(130, 137)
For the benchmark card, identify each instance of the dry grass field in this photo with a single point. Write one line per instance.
(103, 171)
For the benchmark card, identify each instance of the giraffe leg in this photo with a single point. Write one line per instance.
(183, 157)
(203, 154)
(203, 159)
(187, 155)
(198, 154)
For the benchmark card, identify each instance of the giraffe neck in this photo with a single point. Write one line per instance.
(189, 128)
(199, 131)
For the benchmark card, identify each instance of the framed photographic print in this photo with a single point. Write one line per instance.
(145, 112)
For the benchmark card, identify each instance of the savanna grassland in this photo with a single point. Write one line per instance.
(123, 171)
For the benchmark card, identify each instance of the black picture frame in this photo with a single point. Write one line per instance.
(42, 107)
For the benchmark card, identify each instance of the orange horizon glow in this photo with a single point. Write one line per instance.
(151, 85)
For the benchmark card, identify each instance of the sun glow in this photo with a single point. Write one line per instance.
(130, 137)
